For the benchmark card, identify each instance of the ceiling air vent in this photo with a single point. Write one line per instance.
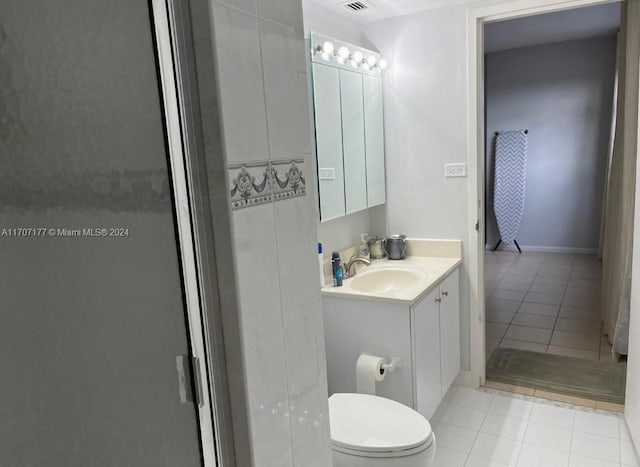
(357, 6)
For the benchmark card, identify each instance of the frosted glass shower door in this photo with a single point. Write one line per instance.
(92, 302)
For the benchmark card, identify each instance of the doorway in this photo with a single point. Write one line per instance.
(549, 104)
(478, 18)
(98, 286)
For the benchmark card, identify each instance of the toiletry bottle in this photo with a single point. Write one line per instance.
(339, 274)
(363, 248)
(321, 261)
(335, 266)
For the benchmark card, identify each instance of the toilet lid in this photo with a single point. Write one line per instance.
(375, 424)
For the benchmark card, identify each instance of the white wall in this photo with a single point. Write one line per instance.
(426, 126)
(563, 94)
(263, 94)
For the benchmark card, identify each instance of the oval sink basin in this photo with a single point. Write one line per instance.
(384, 280)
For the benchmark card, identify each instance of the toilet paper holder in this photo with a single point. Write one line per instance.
(392, 365)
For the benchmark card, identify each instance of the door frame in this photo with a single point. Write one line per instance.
(476, 18)
(185, 230)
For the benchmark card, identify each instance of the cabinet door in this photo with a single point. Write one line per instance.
(426, 338)
(355, 169)
(326, 104)
(374, 137)
(449, 330)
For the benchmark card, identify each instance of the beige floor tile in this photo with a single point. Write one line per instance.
(610, 406)
(539, 309)
(492, 276)
(578, 326)
(526, 268)
(497, 304)
(490, 284)
(577, 353)
(557, 269)
(575, 341)
(586, 272)
(520, 277)
(536, 321)
(588, 283)
(522, 345)
(508, 284)
(557, 279)
(582, 301)
(566, 399)
(593, 292)
(548, 282)
(545, 298)
(509, 388)
(528, 334)
(579, 313)
(507, 294)
(557, 289)
(496, 329)
(560, 258)
(499, 316)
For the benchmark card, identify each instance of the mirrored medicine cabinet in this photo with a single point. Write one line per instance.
(348, 115)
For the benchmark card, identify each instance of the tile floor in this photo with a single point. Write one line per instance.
(545, 302)
(487, 428)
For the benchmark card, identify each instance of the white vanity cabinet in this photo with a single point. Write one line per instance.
(436, 344)
(425, 335)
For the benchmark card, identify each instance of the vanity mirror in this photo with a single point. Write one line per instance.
(347, 99)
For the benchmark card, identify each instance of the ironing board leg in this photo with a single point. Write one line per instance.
(497, 245)
(517, 246)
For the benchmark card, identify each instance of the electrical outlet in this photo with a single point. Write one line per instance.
(459, 169)
(328, 173)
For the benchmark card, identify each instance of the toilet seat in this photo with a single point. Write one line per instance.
(371, 426)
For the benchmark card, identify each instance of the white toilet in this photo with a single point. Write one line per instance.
(371, 431)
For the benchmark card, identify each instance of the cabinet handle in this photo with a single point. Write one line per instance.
(445, 293)
(438, 300)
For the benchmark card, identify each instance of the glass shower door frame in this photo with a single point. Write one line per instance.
(184, 223)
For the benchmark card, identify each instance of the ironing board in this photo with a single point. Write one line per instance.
(509, 187)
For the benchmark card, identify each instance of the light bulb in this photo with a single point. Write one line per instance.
(371, 61)
(382, 64)
(365, 66)
(327, 47)
(357, 57)
(343, 53)
(325, 56)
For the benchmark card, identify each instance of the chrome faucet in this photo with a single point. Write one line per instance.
(353, 260)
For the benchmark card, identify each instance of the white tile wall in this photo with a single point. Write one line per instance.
(263, 94)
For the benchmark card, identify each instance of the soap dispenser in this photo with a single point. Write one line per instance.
(363, 248)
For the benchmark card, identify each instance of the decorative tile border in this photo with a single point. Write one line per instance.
(255, 183)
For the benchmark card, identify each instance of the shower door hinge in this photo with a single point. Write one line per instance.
(189, 380)
(477, 226)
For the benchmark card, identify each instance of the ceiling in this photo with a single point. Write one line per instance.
(578, 23)
(522, 32)
(382, 9)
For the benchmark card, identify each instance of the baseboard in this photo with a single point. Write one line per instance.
(546, 249)
(465, 379)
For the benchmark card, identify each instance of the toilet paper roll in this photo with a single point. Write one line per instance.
(369, 371)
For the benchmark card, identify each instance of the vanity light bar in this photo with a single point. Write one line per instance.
(327, 51)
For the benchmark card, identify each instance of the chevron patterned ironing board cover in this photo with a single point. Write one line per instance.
(509, 187)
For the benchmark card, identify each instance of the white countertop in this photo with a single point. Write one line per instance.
(432, 270)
